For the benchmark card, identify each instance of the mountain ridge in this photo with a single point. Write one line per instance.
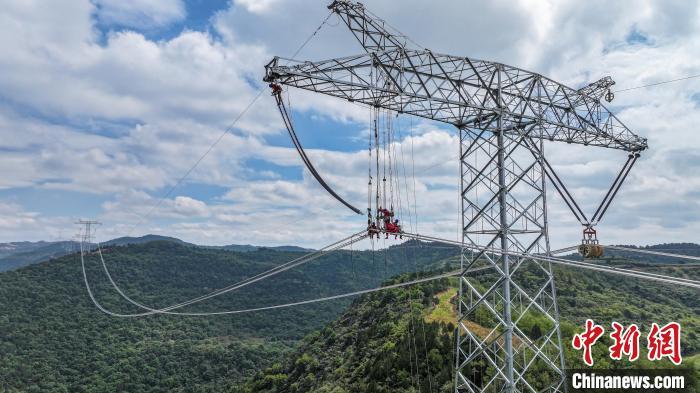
(14, 255)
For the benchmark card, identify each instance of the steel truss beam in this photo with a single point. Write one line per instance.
(460, 91)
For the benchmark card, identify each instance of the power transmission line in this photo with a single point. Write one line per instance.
(563, 250)
(561, 261)
(289, 265)
(189, 171)
(665, 254)
(261, 276)
(277, 306)
(658, 83)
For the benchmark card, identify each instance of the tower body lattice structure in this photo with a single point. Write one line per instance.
(501, 296)
(508, 331)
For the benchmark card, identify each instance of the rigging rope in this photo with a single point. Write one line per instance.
(407, 206)
(196, 163)
(410, 361)
(425, 342)
(658, 83)
(376, 148)
(369, 175)
(384, 153)
(413, 174)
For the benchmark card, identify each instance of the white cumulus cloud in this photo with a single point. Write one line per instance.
(123, 116)
(140, 13)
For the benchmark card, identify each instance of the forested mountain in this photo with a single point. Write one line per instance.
(14, 255)
(15, 247)
(122, 241)
(380, 344)
(53, 339)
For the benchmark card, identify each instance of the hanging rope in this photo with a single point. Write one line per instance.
(384, 159)
(400, 208)
(425, 342)
(376, 148)
(369, 174)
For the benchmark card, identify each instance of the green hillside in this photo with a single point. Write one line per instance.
(381, 344)
(378, 344)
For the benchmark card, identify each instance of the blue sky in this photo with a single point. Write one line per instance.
(105, 104)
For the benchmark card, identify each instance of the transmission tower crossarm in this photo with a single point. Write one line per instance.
(461, 91)
(597, 89)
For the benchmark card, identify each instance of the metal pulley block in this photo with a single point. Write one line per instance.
(591, 250)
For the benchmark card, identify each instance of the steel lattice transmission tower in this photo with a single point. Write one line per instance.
(504, 114)
(85, 235)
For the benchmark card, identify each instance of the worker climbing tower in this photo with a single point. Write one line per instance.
(508, 337)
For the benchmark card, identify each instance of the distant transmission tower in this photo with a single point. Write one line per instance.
(509, 338)
(86, 232)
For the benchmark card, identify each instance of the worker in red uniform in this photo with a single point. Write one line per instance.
(276, 89)
(393, 227)
(385, 214)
